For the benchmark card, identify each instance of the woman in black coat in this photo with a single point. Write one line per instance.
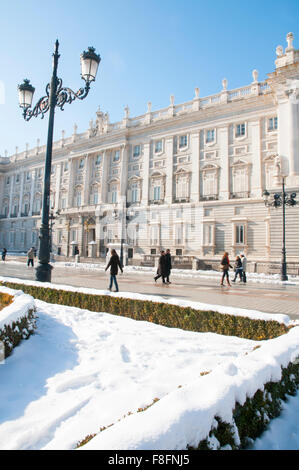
(162, 268)
(168, 265)
(114, 264)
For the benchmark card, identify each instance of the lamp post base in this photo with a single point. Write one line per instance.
(284, 276)
(43, 272)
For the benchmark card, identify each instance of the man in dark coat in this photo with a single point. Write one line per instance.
(168, 265)
(114, 264)
(162, 269)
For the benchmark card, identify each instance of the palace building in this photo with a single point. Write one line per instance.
(189, 177)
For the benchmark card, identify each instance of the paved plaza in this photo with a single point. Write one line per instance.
(272, 298)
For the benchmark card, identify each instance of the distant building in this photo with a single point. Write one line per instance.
(189, 177)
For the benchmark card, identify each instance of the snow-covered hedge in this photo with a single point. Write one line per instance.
(190, 316)
(17, 320)
(223, 409)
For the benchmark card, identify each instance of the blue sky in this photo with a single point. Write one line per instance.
(150, 49)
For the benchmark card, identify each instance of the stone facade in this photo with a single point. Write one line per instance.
(189, 177)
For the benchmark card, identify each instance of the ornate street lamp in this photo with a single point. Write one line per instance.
(56, 95)
(281, 199)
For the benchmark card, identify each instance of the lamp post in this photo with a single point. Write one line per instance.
(56, 95)
(52, 218)
(281, 199)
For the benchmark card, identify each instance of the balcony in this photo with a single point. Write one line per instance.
(240, 195)
(156, 201)
(209, 197)
(182, 199)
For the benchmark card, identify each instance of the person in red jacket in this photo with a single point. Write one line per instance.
(225, 265)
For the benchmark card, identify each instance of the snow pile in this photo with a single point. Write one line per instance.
(18, 309)
(185, 416)
(85, 370)
(253, 314)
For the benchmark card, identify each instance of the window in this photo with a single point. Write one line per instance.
(81, 164)
(272, 124)
(210, 184)
(73, 235)
(158, 146)
(183, 141)
(98, 160)
(113, 194)
(154, 235)
(240, 234)
(240, 180)
(157, 193)
(63, 203)
(136, 151)
(39, 172)
(37, 205)
(17, 178)
(95, 198)
(134, 192)
(59, 236)
(178, 234)
(7, 179)
(182, 190)
(78, 198)
(53, 170)
(66, 166)
(210, 136)
(208, 234)
(116, 156)
(240, 130)
(26, 208)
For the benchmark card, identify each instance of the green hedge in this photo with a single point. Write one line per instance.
(252, 418)
(12, 335)
(164, 314)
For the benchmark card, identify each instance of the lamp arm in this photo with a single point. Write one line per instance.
(41, 107)
(66, 95)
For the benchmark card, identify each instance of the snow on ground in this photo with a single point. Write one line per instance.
(258, 278)
(184, 273)
(84, 370)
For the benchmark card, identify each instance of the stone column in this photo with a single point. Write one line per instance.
(256, 176)
(86, 181)
(10, 196)
(169, 170)
(145, 182)
(105, 166)
(195, 151)
(70, 194)
(124, 170)
(21, 194)
(32, 192)
(57, 185)
(224, 177)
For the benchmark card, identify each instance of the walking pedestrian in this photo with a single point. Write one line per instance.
(238, 269)
(168, 265)
(30, 257)
(162, 269)
(225, 265)
(244, 266)
(4, 252)
(114, 264)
